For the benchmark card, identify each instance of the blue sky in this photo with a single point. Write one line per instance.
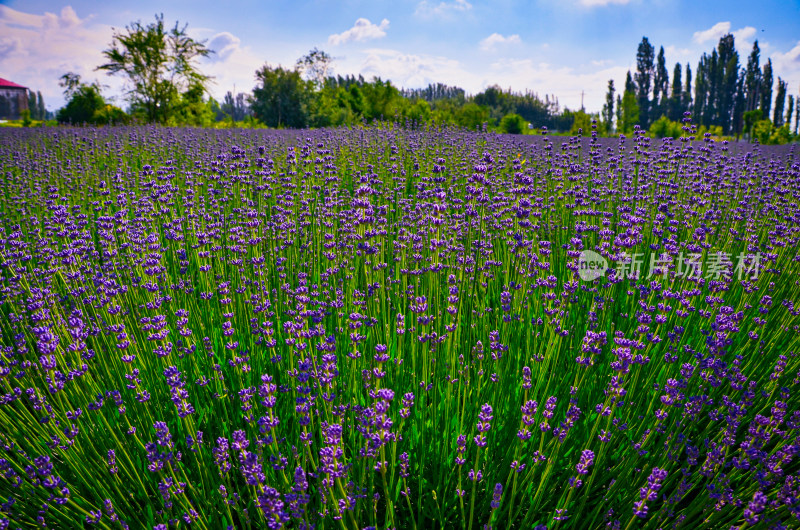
(552, 47)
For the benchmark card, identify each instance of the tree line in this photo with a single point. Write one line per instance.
(164, 85)
(728, 99)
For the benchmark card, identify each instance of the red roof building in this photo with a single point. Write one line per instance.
(13, 100)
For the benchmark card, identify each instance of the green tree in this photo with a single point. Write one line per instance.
(608, 107)
(382, 100)
(752, 79)
(315, 66)
(660, 87)
(41, 110)
(581, 123)
(192, 109)
(688, 103)
(726, 83)
(472, 116)
(235, 106)
(675, 107)
(790, 111)
(512, 124)
(630, 113)
(159, 66)
(645, 56)
(32, 107)
(751, 117)
(84, 100)
(765, 93)
(780, 101)
(419, 113)
(664, 127)
(281, 98)
(762, 130)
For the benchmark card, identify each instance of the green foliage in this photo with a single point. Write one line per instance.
(762, 130)
(512, 124)
(582, 122)
(383, 100)
(192, 110)
(630, 113)
(158, 65)
(86, 105)
(315, 66)
(472, 116)
(110, 115)
(418, 113)
(750, 118)
(664, 127)
(282, 97)
(84, 100)
(781, 135)
(25, 114)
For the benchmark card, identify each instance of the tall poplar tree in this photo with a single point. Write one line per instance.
(645, 57)
(765, 93)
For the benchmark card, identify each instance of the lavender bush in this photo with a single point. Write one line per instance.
(388, 328)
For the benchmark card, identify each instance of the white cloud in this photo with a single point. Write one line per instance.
(37, 49)
(596, 3)
(671, 51)
(361, 31)
(429, 9)
(787, 66)
(224, 45)
(414, 70)
(233, 67)
(744, 34)
(714, 33)
(495, 39)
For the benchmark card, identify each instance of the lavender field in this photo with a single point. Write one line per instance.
(392, 328)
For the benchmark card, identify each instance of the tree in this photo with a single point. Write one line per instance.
(739, 105)
(797, 116)
(752, 79)
(688, 104)
(765, 93)
(701, 83)
(419, 114)
(315, 66)
(158, 64)
(281, 99)
(472, 116)
(512, 124)
(608, 107)
(660, 88)
(726, 83)
(581, 123)
(790, 111)
(630, 113)
(645, 56)
(32, 108)
(675, 104)
(42, 111)
(780, 101)
(84, 100)
(235, 107)
(751, 117)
